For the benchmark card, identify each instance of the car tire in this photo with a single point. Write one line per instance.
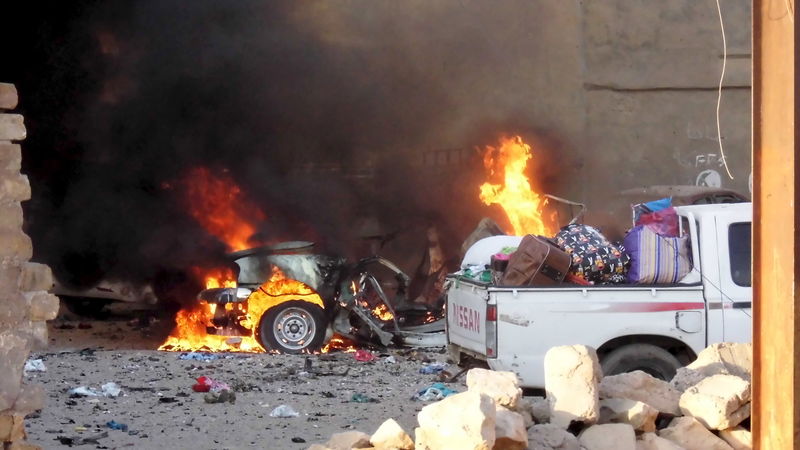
(293, 327)
(645, 357)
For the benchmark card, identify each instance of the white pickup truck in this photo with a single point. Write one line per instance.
(655, 328)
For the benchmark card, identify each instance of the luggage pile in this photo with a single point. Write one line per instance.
(654, 251)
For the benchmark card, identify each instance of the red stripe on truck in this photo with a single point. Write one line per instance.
(655, 306)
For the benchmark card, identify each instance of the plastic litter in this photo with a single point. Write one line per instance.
(116, 425)
(364, 356)
(361, 398)
(390, 359)
(432, 368)
(284, 411)
(223, 396)
(83, 391)
(35, 365)
(111, 389)
(198, 356)
(207, 384)
(436, 391)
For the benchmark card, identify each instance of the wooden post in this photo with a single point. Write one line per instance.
(776, 328)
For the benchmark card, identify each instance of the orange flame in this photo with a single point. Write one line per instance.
(219, 205)
(382, 312)
(522, 205)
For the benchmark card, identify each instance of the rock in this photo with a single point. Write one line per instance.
(10, 157)
(12, 427)
(611, 436)
(571, 374)
(502, 387)
(14, 244)
(723, 358)
(525, 409)
(651, 441)
(738, 438)
(390, 435)
(43, 306)
(12, 127)
(464, 421)
(14, 350)
(692, 435)
(718, 402)
(35, 277)
(348, 440)
(510, 431)
(551, 437)
(640, 416)
(31, 398)
(541, 409)
(8, 96)
(642, 387)
(21, 445)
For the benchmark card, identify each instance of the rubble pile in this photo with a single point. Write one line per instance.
(705, 406)
(25, 304)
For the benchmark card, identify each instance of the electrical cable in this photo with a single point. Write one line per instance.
(789, 10)
(719, 90)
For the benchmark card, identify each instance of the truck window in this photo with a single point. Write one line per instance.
(739, 249)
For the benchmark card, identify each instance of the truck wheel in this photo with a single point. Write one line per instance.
(645, 357)
(293, 327)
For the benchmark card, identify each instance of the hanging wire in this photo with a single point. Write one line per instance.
(719, 90)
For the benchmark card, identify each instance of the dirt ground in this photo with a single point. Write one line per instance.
(161, 410)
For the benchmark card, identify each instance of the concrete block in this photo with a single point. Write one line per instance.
(43, 305)
(15, 245)
(37, 335)
(12, 427)
(525, 409)
(35, 277)
(651, 441)
(551, 437)
(541, 410)
(571, 376)
(465, 420)
(510, 431)
(10, 157)
(692, 435)
(348, 440)
(13, 309)
(640, 416)
(738, 438)
(14, 187)
(8, 96)
(642, 387)
(10, 215)
(611, 436)
(12, 127)
(502, 387)
(31, 398)
(722, 358)
(718, 402)
(390, 435)
(14, 350)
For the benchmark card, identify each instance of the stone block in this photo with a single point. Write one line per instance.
(31, 398)
(390, 435)
(8, 96)
(10, 216)
(738, 438)
(718, 402)
(722, 358)
(43, 305)
(348, 440)
(35, 277)
(465, 420)
(571, 376)
(525, 409)
(12, 427)
(14, 350)
(640, 416)
(13, 309)
(15, 245)
(551, 437)
(692, 435)
(10, 271)
(10, 157)
(502, 387)
(642, 387)
(610, 436)
(37, 334)
(510, 431)
(541, 410)
(12, 127)
(14, 187)
(651, 441)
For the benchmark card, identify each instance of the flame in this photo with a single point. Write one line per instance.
(522, 205)
(339, 343)
(218, 204)
(382, 312)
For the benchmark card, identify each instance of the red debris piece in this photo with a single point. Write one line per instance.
(364, 356)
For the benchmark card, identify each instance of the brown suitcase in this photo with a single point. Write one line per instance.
(537, 262)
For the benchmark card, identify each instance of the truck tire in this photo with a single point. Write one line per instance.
(645, 357)
(293, 327)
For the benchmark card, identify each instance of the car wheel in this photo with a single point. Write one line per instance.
(645, 357)
(293, 327)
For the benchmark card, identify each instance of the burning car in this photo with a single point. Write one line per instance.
(288, 299)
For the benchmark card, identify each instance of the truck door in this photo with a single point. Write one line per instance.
(733, 242)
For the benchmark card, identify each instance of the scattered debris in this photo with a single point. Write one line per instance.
(116, 425)
(207, 384)
(111, 389)
(223, 396)
(82, 391)
(198, 356)
(432, 368)
(364, 355)
(361, 398)
(35, 365)
(436, 391)
(390, 359)
(284, 411)
(81, 440)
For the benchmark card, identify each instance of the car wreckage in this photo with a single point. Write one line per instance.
(364, 301)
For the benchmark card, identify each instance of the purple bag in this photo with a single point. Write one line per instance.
(656, 259)
(663, 222)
